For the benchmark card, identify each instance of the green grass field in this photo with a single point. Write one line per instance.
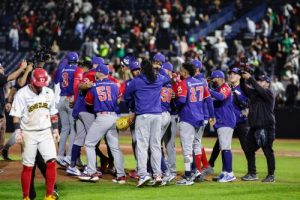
(287, 184)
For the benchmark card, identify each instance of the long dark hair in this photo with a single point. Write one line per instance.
(148, 70)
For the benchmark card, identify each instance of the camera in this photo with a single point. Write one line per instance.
(245, 66)
(41, 55)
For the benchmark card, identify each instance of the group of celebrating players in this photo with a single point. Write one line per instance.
(157, 98)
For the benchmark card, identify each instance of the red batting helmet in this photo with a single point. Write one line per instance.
(39, 77)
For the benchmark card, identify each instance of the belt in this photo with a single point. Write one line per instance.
(106, 113)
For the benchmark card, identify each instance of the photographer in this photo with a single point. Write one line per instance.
(262, 122)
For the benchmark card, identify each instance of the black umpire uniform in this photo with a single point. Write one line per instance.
(262, 124)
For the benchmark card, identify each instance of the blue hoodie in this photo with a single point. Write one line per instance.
(146, 95)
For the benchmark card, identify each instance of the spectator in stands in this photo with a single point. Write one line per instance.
(251, 26)
(87, 48)
(87, 7)
(220, 50)
(278, 90)
(80, 29)
(291, 93)
(14, 37)
(165, 19)
(55, 47)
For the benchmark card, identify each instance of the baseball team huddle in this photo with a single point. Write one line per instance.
(159, 100)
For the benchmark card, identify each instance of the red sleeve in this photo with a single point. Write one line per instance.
(122, 89)
(89, 98)
(225, 90)
(77, 79)
(206, 92)
(182, 89)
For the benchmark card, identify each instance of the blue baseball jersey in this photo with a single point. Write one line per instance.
(166, 97)
(104, 96)
(205, 108)
(59, 69)
(223, 105)
(240, 102)
(67, 80)
(190, 95)
(146, 95)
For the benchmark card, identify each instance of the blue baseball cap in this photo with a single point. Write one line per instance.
(235, 70)
(197, 64)
(168, 66)
(264, 78)
(102, 68)
(159, 57)
(134, 64)
(97, 60)
(217, 74)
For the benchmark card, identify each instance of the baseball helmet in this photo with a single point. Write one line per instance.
(217, 74)
(122, 123)
(168, 66)
(39, 77)
(159, 57)
(134, 64)
(235, 70)
(72, 56)
(197, 64)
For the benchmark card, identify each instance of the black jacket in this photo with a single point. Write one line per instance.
(261, 104)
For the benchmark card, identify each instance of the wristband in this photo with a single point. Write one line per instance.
(17, 126)
(55, 125)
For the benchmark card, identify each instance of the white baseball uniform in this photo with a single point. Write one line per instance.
(34, 112)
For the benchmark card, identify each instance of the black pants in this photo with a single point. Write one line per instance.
(40, 163)
(241, 131)
(252, 147)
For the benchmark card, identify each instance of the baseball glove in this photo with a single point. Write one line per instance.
(122, 123)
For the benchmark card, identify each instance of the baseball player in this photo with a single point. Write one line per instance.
(191, 94)
(66, 101)
(104, 96)
(135, 68)
(225, 124)
(166, 97)
(199, 153)
(169, 136)
(79, 106)
(34, 114)
(145, 90)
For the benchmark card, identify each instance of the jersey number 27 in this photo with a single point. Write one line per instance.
(193, 93)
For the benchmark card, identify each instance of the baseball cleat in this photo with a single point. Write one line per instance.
(50, 197)
(73, 171)
(143, 180)
(250, 177)
(185, 181)
(89, 178)
(208, 170)
(120, 180)
(55, 193)
(133, 174)
(157, 181)
(269, 179)
(5, 155)
(217, 178)
(26, 198)
(227, 178)
(195, 175)
(61, 162)
(67, 160)
(99, 173)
